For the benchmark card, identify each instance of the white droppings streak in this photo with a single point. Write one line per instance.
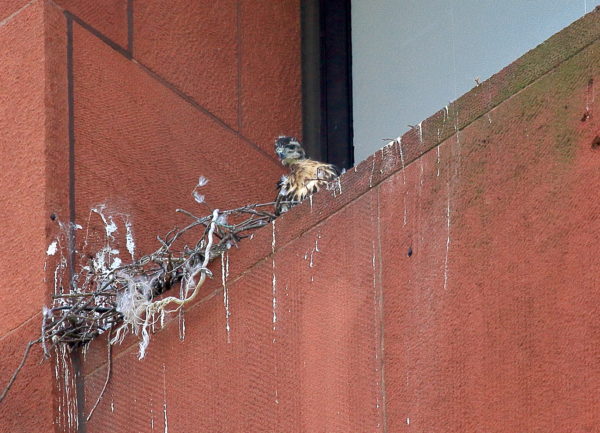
(399, 141)
(109, 225)
(116, 263)
(274, 280)
(224, 277)
(374, 270)
(438, 161)
(129, 239)
(166, 418)
(407, 421)
(311, 203)
(372, 171)
(316, 249)
(447, 240)
(52, 248)
(181, 325)
(420, 126)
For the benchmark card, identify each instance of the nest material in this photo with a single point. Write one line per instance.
(124, 298)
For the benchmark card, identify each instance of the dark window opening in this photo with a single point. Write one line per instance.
(327, 81)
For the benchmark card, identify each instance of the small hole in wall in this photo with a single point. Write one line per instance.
(410, 251)
(53, 216)
(596, 143)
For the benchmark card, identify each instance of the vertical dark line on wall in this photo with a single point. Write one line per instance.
(130, 27)
(76, 355)
(79, 389)
(239, 63)
(71, 127)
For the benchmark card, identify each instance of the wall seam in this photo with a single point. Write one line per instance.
(172, 87)
(130, 27)
(75, 355)
(239, 64)
(71, 138)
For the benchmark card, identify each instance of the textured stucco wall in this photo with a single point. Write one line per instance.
(32, 180)
(489, 324)
(125, 104)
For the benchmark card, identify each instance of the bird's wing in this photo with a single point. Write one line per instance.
(306, 177)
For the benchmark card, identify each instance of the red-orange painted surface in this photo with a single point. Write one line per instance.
(32, 82)
(445, 284)
(109, 17)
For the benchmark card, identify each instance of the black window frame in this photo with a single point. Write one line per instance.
(327, 81)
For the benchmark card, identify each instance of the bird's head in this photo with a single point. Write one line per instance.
(289, 149)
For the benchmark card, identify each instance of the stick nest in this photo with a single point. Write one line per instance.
(126, 298)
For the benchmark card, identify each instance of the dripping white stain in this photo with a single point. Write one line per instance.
(372, 171)
(447, 240)
(314, 250)
(109, 225)
(224, 277)
(399, 141)
(274, 280)
(165, 417)
(130, 243)
(52, 248)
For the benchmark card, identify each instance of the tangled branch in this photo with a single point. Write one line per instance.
(127, 298)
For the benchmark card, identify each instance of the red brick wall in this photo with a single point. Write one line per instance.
(490, 323)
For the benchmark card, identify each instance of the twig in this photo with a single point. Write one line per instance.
(16, 372)
(108, 373)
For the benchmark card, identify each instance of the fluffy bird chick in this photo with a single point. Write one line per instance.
(305, 178)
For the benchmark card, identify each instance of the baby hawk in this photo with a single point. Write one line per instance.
(305, 178)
